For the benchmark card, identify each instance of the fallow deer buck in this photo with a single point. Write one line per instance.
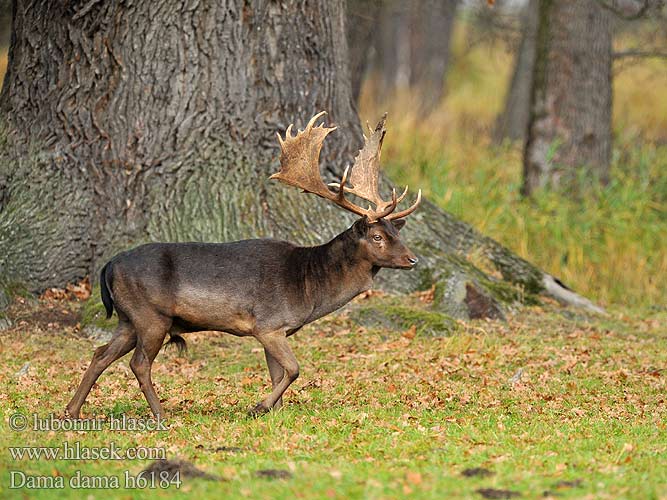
(264, 288)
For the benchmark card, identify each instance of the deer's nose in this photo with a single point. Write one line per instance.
(413, 260)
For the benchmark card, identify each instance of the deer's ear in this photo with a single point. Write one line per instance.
(361, 226)
(398, 224)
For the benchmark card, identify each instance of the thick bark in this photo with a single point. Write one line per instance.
(137, 109)
(145, 121)
(569, 131)
(513, 120)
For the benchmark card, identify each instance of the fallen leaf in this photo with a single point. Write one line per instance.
(410, 332)
(413, 477)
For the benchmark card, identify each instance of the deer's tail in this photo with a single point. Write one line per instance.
(107, 300)
(178, 341)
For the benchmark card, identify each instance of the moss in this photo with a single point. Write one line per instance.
(439, 292)
(508, 293)
(449, 295)
(8, 291)
(4, 300)
(395, 314)
(14, 289)
(426, 278)
(94, 314)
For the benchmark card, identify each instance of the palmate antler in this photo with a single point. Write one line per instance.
(299, 167)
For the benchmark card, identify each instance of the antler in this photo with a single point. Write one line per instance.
(366, 174)
(299, 167)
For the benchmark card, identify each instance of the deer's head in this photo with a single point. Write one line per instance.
(381, 244)
(379, 226)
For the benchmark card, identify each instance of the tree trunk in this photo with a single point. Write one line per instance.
(569, 131)
(412, 48)
(431, 32)
(362, 21)
(513, 121)
(5, 22)
(143, 121)
(392, 46)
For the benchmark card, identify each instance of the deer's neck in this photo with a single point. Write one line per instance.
(335, 273)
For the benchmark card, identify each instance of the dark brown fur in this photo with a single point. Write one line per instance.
(264, 288)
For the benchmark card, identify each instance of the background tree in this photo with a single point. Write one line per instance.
(139, 121)
(362, 20)
(5, 21)
(412, 48)
(569, 127)
(391, 44)
(432, 28)
(513, 120)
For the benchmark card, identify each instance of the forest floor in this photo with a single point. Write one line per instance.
(550, 403)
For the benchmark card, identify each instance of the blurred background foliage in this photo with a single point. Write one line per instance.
(607, 242)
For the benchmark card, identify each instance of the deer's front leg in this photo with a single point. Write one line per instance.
(276, 346)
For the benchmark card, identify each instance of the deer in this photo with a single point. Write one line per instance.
(262, 288)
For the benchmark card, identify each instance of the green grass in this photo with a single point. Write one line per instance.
(377, 413)
(401, 313)
(606, 242)
(608, 245)
(382, 411)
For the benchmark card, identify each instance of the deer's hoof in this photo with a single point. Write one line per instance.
(70, 415)
(258, 410)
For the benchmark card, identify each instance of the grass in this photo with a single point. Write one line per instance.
(377, 413)
(549, 403)
(607, 244)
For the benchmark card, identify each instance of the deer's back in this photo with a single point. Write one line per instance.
(238, 287)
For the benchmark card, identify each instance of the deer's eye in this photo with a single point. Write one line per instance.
(377, 237)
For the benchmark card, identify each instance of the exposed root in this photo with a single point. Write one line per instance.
(565, 296)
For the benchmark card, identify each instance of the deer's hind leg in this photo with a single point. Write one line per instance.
(122, 342)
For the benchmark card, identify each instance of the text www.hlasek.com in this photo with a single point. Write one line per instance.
(75, 451)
